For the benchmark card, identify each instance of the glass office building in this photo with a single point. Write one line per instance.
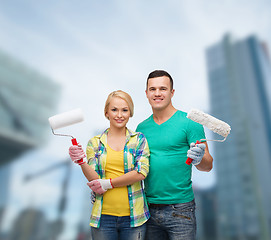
(239, 75)
(206, 213)
(27, 99)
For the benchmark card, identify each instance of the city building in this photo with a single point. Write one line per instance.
(206, 213)
(239, 75)
(31, 224)
(27, 99)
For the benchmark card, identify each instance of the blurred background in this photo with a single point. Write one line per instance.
(59, 55)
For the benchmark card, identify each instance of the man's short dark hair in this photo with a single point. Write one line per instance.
(160, 73)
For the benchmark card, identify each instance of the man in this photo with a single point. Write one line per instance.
(171, 137)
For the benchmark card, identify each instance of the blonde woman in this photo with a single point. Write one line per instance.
(117, 163)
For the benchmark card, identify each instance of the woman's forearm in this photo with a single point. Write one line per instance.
(127, 179)
(89, 173)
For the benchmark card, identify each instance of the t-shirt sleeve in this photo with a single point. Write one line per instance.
(138, 128)
(195, 132)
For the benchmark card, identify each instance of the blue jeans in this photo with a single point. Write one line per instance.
(174, 222)
(117, 228)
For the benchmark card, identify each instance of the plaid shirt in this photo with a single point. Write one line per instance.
(136, 157)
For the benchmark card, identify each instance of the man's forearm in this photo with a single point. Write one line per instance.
(206, 163)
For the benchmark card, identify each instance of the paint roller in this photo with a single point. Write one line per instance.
(214, 124)
(66, 119)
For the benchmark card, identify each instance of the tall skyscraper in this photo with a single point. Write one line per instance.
(206, 213)
(27, 99)
(239, 74)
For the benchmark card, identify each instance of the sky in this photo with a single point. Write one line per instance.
(91, 48)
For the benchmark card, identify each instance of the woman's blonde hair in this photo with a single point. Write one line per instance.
(123, 95)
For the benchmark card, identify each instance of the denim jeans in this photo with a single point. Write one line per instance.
(117, 228)
(174, 222)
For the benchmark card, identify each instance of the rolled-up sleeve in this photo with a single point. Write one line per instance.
(91, 157)
(142, 156)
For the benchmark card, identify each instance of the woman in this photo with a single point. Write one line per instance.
(117, 163)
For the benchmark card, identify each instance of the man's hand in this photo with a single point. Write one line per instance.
(100, 186)
(196, 152)
(76, 153)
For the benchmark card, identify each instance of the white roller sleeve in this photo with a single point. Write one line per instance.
(210, 122)
(66, 118)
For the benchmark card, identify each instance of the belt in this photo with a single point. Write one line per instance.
(153, 205)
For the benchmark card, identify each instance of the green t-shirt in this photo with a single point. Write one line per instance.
(169, 179)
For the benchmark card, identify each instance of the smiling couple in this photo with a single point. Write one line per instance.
(142, 184)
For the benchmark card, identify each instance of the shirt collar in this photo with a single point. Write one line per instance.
(103, 136)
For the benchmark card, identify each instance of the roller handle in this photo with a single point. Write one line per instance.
(189, 160)
(74, 142)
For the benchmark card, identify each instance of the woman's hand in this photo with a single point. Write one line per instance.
(100, 186)
(77, 153)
